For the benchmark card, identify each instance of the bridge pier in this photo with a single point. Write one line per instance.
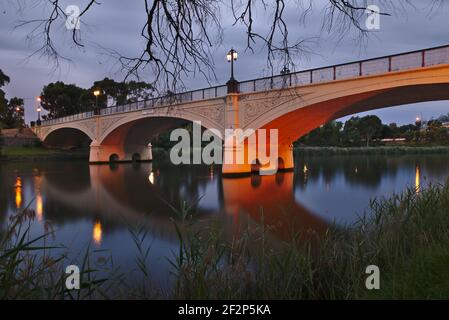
(250, 164)
(119, 153)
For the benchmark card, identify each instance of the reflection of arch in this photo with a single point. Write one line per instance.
(66, 138)
(285, 217)
(110, 198)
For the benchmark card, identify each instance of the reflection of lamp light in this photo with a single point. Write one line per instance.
(151, 177)
(97, 233)
(39, 207)
(305, 169)
(417, 179)
(18, 189)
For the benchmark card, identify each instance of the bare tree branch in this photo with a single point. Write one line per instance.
(179, 34)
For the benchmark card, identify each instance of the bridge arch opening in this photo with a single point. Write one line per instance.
(301, 119)
(135, 157)
(134, 140)
(67, 139)
(113, 158)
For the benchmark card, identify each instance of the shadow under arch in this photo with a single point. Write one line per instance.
(130, 140)
(295, 124)
(67, 138)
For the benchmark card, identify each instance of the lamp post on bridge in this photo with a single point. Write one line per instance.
(38, 109)
(96, 94)
(233, 85)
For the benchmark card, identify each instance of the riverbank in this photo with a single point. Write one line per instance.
(406, 236)
(32, 153)
(379, 150)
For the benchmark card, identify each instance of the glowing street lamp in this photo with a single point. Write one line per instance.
(21, 112)
(418, 122)
(96, 94)
(38, 109)
(231, 57)
(233, 85)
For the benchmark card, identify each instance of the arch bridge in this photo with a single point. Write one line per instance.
(293, 103)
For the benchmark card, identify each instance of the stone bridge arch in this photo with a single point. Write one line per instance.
(126, 136)
(297, 111)
(66, 136)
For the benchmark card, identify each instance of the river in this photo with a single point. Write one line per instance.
(96, 206)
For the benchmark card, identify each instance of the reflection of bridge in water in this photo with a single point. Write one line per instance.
(137, 195)
(112, 197)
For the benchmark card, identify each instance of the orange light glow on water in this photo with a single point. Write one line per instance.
(39, 207)
(97, 233)
(417, 179)
(39, 199)
(18, 190)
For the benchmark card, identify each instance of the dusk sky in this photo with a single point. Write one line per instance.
(117, 24)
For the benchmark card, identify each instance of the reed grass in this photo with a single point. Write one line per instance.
(406, 236)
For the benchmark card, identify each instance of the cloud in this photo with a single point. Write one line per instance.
(118, 24)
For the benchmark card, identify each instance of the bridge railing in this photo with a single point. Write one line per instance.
(78, 116)
(392, 63)
(201, 94)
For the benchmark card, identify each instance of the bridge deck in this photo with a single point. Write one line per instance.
(380, 65)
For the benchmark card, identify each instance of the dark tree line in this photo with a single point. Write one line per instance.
(179, 35)
(369, 130)
(60, 99)
(12, 111)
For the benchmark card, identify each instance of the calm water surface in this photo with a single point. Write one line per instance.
(96, 205)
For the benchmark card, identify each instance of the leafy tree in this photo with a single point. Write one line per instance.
(351, 133)
(4, 79)
(436, 133)
(110, 90)
(61, 99)
(369, 127)
(121, 92)
(326, 135)
(10, 117)
(138, 90)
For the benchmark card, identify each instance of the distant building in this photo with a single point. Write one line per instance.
(393, 140)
